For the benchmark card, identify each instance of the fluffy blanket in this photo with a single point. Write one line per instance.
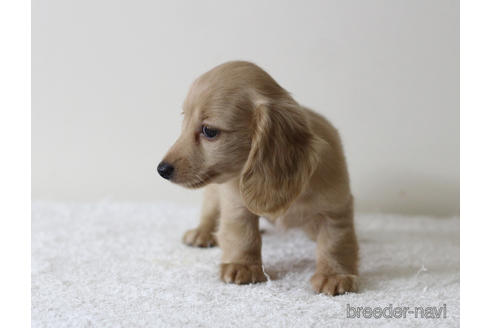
(123, 265)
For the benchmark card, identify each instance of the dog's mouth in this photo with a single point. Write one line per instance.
(199, 180)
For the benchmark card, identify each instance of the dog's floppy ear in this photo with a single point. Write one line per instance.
(282, 158)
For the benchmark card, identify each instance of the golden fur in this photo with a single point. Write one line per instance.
(272, 157)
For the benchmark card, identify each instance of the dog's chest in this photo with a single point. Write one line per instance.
(296, 215)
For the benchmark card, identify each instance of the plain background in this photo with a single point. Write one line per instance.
(109, 78)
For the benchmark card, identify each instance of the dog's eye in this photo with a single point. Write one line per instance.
(209, 132)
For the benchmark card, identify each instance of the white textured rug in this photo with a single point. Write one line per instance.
(123, 265)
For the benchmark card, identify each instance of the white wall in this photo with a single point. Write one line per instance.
(109, 77)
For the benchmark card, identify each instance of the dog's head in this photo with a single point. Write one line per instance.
(239, 123)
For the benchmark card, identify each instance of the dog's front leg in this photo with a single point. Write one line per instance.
(240, 240)
(337, 256)
(203, 235)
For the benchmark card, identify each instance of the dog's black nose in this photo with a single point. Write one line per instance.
(165, 170)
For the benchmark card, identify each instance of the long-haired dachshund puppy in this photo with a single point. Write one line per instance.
(259, 153)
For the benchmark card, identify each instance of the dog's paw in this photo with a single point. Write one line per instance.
(334, 284)
(199, 238)
(241, 273)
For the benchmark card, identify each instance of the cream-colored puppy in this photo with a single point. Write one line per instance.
(260, 153)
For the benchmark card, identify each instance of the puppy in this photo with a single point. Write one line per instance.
(259, 153)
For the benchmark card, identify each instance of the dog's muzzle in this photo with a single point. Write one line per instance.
(165, 170)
